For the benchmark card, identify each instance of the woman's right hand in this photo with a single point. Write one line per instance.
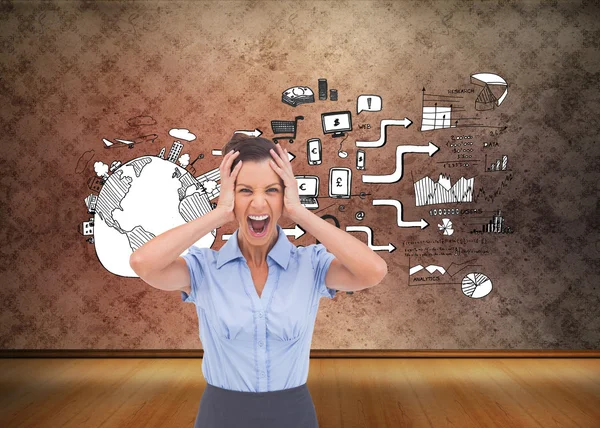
(227, 193)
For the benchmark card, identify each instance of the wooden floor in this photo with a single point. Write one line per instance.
(402, 392)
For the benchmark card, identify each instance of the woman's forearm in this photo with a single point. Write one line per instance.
(162, 250)
(351, 252)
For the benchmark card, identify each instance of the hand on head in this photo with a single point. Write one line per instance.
(282, 166)
(227, 193)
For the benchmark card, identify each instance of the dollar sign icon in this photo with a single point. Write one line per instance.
(338, 182)
(336, 122)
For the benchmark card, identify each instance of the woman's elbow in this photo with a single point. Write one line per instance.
(381, 273)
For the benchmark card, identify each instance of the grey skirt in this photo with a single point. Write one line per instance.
(225, 408)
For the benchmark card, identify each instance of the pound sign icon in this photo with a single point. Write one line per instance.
(338, 182)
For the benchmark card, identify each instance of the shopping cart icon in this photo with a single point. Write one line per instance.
(285, 127)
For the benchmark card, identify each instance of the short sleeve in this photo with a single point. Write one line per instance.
(194, 259)
(321, 259)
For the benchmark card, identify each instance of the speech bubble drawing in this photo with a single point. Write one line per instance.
(368, 103)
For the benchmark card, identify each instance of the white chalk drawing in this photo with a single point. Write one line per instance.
(487, 99)
(367, 102)
(360, 160)
(428, 192)
(446, 227)
(390, 247)
(336, 123)
(430, 268)
(129, 143)
(182, 134)
(340, 182)
(314, 151)
(143, 198)
(498, 164)
(438, 110)
(439, 113)
(285, 127)
(476, 285)
(297, 95)
(399, 172)
(296, 232)
(308, 190)
(256, 133)
(495, 225)
(400, 222)
(341, 153)
(382, 137)
(452, 270)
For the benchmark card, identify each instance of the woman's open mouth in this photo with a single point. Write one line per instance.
(258, 224)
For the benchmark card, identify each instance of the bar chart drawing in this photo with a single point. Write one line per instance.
(495, 225)
(498, 164)
(437, 111)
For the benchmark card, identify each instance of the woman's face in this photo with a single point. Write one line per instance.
(258, 191)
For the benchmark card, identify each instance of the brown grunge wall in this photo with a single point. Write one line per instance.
(471, 165)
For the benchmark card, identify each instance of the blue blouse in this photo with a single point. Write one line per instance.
(251, 343)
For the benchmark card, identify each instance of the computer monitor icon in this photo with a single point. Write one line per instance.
(336, 123)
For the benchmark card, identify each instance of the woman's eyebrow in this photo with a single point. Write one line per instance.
(245, 185)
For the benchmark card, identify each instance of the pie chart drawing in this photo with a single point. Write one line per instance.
(476, 285)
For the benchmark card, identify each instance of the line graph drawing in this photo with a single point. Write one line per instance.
(474, 285)
(428, 192)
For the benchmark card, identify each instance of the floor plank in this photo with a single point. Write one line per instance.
(348, 392)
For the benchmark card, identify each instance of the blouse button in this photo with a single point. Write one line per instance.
(260, 314)
(260, 343)
(262, 374)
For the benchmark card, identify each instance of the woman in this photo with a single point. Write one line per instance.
(257, 297)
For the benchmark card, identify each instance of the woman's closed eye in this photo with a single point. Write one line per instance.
(272, 188)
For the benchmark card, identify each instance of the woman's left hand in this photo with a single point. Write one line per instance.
(282, 166)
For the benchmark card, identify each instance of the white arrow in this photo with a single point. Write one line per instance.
(369, 233)
(254, 133)
(401, 223)
(385, 122)
(296, 232)
(397, 175)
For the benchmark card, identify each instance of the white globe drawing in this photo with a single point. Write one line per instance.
(140, 200)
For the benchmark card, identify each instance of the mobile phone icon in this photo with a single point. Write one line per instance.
(340, 182)
(314, 151)
(360, 159)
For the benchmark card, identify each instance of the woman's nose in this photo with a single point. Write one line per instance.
(259, 200)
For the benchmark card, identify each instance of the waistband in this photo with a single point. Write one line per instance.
(242, 394)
